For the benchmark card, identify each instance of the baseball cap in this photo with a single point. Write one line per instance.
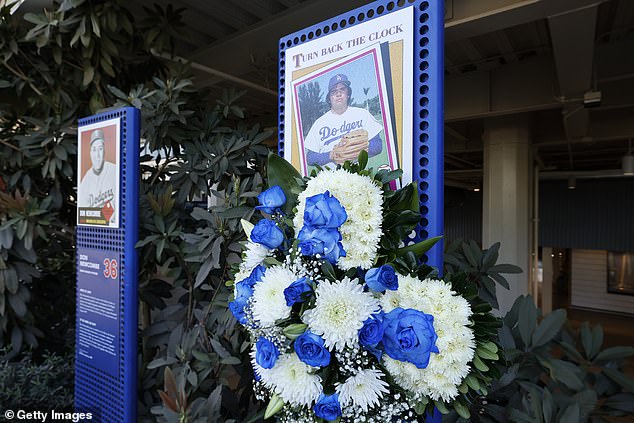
(338, 79)
(97, 134)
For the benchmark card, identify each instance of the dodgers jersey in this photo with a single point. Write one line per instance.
(327, 131)
(97, 190)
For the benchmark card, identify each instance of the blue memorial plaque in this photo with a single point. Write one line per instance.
(107, 298)
(98, 309)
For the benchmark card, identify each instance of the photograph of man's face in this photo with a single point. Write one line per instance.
(97, 151)
(339, 97)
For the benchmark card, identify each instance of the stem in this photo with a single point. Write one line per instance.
(10, 145)
(21, 75)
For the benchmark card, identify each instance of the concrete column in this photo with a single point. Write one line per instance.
(506, 199)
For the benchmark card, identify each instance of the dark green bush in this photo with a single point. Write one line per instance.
(27, 385)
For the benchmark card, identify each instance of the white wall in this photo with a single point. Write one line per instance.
(589, 283)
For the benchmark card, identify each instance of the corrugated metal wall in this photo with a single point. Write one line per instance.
(589, 283)
(597, 215)
(463, 215)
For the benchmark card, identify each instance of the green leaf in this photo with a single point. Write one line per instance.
(564, 372)
(614, 353)
(626, 382)
(275, 404)
(548, 327)
(527, 319)
(441, 407)
(363, 159)
(419, 248)
(570, 414)
(247, 227)
(282, 173)
(479, 364)
(89, 74)
(293, 330)
(468, 253)
(505, 268)
(490, 256)
(462, 410)
(622, 402)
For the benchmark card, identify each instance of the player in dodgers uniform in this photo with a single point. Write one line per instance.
(342, 132)
(98, 187)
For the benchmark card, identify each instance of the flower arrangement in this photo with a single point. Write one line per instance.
(346, 323)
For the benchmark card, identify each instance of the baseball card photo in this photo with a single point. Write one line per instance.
(98, 174)
(342, 109)
(349, 91)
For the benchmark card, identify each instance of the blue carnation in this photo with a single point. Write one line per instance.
(324, 211)
(267, 233)
(409, 335)
(326, 242)
(328, 407)
(297, 291)
(271, 199)
(266, 353)
(310, 349)
(381, 278)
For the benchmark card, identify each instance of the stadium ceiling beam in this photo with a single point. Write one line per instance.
(470, 18)
(529, 85)
(263, 38)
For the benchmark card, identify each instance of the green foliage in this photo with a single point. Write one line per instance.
(313, 104)
(56, 66)
(69, 62)
(550, 372)
(44, 386)
(480, 266)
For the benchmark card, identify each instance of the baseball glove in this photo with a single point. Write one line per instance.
(350, 146)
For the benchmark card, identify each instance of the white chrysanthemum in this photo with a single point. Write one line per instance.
(269, 303)
(363, 390)
(363, 201)
(253, 256)
(341, 307)
(455, 342)
(293, 380)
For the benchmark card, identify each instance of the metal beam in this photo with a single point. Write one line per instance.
(267, 33)
(472, 18)
(574, 58)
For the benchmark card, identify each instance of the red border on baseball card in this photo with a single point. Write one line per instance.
(98, 170)
(366, 114)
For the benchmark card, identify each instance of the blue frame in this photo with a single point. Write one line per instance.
(114, 398)
(428, 119)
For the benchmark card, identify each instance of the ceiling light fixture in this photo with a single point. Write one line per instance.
(572, 182)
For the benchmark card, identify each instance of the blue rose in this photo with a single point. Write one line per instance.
(328, 407)
(297, 291)
(267, 233)
(371, 333)
(266, 353)
(326, 242)
(271, 199)
(409, 335)
(324, 211)
(310, 349)
(237, 309)
(381, 278)
(244, 288)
